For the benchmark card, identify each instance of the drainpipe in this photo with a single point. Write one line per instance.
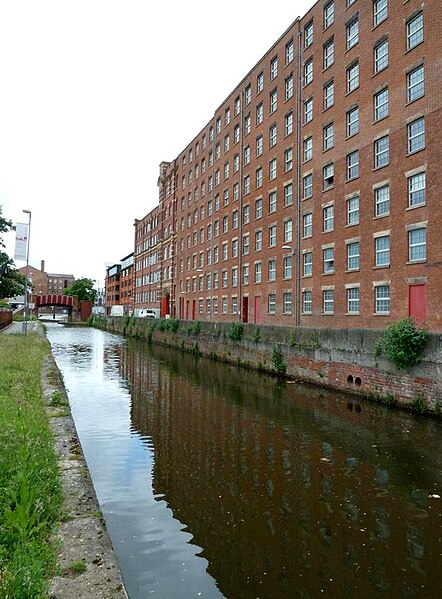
(241, 182)
(298, 194)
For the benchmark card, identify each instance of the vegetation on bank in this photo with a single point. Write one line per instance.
(30, 497)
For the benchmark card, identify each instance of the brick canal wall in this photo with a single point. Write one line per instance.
(340, 359)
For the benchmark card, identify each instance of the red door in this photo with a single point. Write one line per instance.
(417, 303)
(257, 309)
(193, 309)
(245, 309)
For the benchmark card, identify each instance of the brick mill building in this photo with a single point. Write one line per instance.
(311, 197)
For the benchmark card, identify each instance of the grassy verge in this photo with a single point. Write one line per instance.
(30, 495)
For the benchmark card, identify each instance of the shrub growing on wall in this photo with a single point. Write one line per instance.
(402, 343)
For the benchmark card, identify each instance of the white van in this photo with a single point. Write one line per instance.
(148, 313)
(117, 310)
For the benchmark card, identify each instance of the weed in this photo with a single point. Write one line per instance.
(292, 339)
(236, 331)
(389, 399)
(78, 567)
(256, 335)
(418, 403)
(402, 343)
(57, 399)
(278, 363)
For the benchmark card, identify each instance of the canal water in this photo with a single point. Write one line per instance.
(220, 482)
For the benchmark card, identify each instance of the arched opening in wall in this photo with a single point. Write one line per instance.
(358, 381)
(350, 379)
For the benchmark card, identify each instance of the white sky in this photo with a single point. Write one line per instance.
(94, 94)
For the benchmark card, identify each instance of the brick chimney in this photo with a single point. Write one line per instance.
(42, 268)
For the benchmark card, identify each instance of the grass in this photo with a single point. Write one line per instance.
(30, 497)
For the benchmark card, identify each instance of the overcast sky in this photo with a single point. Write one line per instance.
(95, 94)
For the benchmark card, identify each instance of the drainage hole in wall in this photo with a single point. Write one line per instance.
(358, 381)
(350, 378)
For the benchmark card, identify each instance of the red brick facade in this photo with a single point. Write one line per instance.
(311, 196)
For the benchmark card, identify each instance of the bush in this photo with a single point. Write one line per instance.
(278, 363)
(402, 343)
(236, 331)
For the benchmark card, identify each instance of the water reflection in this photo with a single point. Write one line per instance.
(281, 490)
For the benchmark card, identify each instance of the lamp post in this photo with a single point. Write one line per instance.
(25, 322)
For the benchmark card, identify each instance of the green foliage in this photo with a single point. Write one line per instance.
(194, 328)
(402, 343)
(419, 404)
(30, 498)
(277, 360)
(389, 399)
(170, 324)
(236, 331)
(83, 288)
(292, 339)
(256, 335)
(78, 567)
(57, 399)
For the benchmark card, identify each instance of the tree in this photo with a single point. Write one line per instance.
(83, 288)
(12, 283)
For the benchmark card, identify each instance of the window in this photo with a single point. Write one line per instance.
(236, 163)
(235, 219)
(329, 54)
(225, 197)
(382, 250)
(273, 136)
(329, 14)
(417, 245)
(259, 146)
(226, 143)
(224, 305)
(287, 267)
(235, 192)
(352, 33)
(382, 200)
(415, 31)
(259, 113)
(204, 142)
(234, 276)
(273, 68)
(236, 134)
(237, 106)
(308, 34)
(307, 222)
(329, 260)
(272, 169)
(329, 136)
(353, 77)
(288, 195)
(218, 125)
(217, 177)
(226, 171)
(246, 184)
(227, 116)
(245, 275)
(380, 11)
(225, 250)
(381, 56)
(328, 301)
(328, 218)
(246, 214)
(382, 299)
(329, 95)
(415, 84)
(353, 300)
(307, 302)
(224, 278)
(288, 230)
(273, 101)
(272, 202)
(258, 272)
(307, 264)
(416, 135)
(245, 244)
(289, 87)
(328, 174)
(272, 270)
(381, 104)
(258, 241)
(247, 124)
(381, 152)
(271, 303)
(416, 190)
(353, 255)
(307, 186)
(248, 95)
(308, 110)
(353, 121)
(289, 52)
(288, 123)
(272, 235)
(258, 178)
(246, 155)
(308, 148)
(287, 302)
(288, 160)
(211, 134)
(308, 71)
(260, 83)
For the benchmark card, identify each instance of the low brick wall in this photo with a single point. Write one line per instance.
(340, 359)
(5, 318)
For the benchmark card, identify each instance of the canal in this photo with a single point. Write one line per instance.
(220, 482)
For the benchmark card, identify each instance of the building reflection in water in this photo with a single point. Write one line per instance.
(291, 492)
